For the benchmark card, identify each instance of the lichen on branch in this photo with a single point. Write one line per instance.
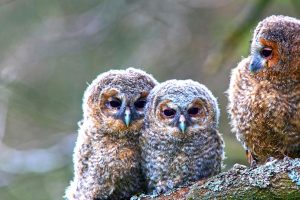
(278, 179)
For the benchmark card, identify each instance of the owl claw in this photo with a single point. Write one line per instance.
(286, 158)
(270, 160)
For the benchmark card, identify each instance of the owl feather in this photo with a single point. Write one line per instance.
(180, 142)
(264, 92)
(107, 154)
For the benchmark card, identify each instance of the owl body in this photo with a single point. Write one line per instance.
(180, 142)
(264, 92)
(107, 154)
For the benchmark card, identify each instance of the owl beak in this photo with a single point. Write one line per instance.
(182, 123)
(257, 63)
(127, 116)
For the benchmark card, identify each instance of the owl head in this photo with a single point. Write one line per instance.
(114, 102)
(181, 107)
(275, 47)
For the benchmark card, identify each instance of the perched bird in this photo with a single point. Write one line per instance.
(180, 142)
(107, 154)
(264, 92)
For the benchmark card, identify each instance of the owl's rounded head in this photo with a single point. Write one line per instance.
(181, 106)
(115, 100)
(275, 47)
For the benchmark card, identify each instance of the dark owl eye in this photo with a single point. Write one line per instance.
(193, 111)
(139, 104)
(169, 112)
(266, 52)
(114, 103)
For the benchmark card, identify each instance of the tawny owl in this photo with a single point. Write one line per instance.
(180, 142)
(264, 92)
(107, 155)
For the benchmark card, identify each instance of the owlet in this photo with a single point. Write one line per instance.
(180, 142)
(107, 154)
(264, 92)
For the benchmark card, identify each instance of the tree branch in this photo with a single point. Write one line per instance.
(274, 180)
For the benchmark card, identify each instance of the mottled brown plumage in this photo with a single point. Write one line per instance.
(107, 154)
(180, 141)
(264, 92)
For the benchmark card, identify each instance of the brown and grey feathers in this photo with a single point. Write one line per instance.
(264, 92)
(180, 142)
(107, 154)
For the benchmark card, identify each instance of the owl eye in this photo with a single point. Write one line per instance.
(114, 103)
(169, 112)
(266, 52)
(140, 104)
(193, 111)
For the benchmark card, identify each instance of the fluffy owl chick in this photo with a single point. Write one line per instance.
(180, 142)
(264, 92)
(107, 155)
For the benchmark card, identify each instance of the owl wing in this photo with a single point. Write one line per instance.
(293, 132)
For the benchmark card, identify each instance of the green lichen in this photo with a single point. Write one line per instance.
(295, 177)
(279, 179)
(258, 183)
(214, 185)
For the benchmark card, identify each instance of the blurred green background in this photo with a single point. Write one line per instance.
(51, 49)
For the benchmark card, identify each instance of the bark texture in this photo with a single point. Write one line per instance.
(278, 179)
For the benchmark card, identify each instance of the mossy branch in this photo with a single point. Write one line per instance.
(274, 180)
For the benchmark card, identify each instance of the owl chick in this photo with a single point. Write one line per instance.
(264, 92)
(180, 142)
(107, 155)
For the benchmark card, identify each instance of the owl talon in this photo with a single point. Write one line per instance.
(286, 158)
(270, 159)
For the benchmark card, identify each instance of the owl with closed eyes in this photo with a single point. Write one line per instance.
(107, 153)
(180, 142)
(264, 92)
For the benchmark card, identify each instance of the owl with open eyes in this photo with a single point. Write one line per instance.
(180, 142)
(107, 154)
(264, 92)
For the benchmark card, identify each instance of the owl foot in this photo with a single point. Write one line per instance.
(286, 158)
(251, 159)
(270, 160)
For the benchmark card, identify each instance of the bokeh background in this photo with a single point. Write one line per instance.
(51, 49)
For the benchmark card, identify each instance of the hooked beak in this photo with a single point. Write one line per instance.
(257, 63)
(127, 116)
(182, 123)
